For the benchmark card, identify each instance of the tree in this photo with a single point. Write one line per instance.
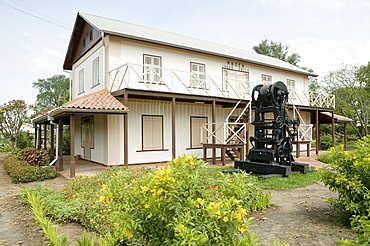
(351, 90)
(53, 91)
(277, 50)
(13, 115)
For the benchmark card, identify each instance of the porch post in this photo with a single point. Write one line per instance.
(173, 127)
(39, 137)
(51, 142)
(125, 131)
(60, 145)
(35, 137)
(72, 168)
(45, 136)
(317, 132)
(213, 130)
(345, 136)
(332, 129)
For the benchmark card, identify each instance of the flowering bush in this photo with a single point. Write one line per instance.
(349, 175)
(175, 205)
(34, 157)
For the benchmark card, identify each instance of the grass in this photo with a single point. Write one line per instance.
(285, 183)
(278, 183)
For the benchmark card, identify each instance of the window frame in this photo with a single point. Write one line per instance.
(150, 72)
(81, 81)
(196, 75)
(191, 131)
(95, 73)
(225, 78)
(291, 88)
(266, 82)
(145, 148)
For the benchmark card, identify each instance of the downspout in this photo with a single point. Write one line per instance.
(103, 60)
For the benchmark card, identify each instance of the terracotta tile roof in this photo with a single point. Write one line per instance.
(102, 99)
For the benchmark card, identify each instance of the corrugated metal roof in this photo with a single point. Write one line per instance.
(133, 31)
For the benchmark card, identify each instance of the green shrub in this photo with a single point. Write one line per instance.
(326, 142)
(181, 204)
(349, 175)
(326, 158)
(34, 157)
(21, 173)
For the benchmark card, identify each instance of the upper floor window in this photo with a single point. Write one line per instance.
(236, 82)
(84, 42)
(152, 132)
(81, 87)
(198, 77)
(291, 87)
(152, 68)
(95, 70)
(91, 35)
(266, 79)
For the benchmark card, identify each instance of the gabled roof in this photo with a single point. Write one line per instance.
(97, 102)
(132, 31)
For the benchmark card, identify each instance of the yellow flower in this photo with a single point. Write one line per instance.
(242, 210)
(238, 216)
(102, 198)
(200, 201)
(115, 224)
(147, 206)
(104, 187)
(242, 229)
(176, 160)
(226, 219)
(127, 233)
(145, 188)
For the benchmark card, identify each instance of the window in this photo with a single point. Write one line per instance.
(95, 80)
(197, 132)
(91, 35)
(291, 88)
(235, 82)
(266, 79)
(152, 68)
(198, 78)
(152, 129)
(84, 42)
(81, 88)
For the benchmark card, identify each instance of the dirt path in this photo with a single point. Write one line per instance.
(298, 217)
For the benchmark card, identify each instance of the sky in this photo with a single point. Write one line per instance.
(326, 33)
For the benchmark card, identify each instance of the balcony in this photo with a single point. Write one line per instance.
(134, 76)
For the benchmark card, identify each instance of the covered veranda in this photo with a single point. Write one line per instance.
(100, 102)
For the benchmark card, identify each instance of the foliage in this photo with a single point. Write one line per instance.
(21, 173)
(53, 91)
(25, 140)
(284, 183)
(351, 90)
(39, 212)
(34, 157)
(349, 176)
(180, 204)
(13, 115)
(326, 158)
(326, 142)
(277, 50)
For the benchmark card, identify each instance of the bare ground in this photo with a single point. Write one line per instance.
(297, 216)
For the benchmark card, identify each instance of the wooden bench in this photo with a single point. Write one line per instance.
(298, 149)
(223, 148)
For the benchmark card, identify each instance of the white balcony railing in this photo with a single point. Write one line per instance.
(134, 76)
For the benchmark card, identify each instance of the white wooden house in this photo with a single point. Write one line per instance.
(141, 95)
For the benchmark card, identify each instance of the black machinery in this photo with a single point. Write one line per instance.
(272, 145)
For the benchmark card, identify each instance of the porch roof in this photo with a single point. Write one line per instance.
(327, 116)
(102, 102)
